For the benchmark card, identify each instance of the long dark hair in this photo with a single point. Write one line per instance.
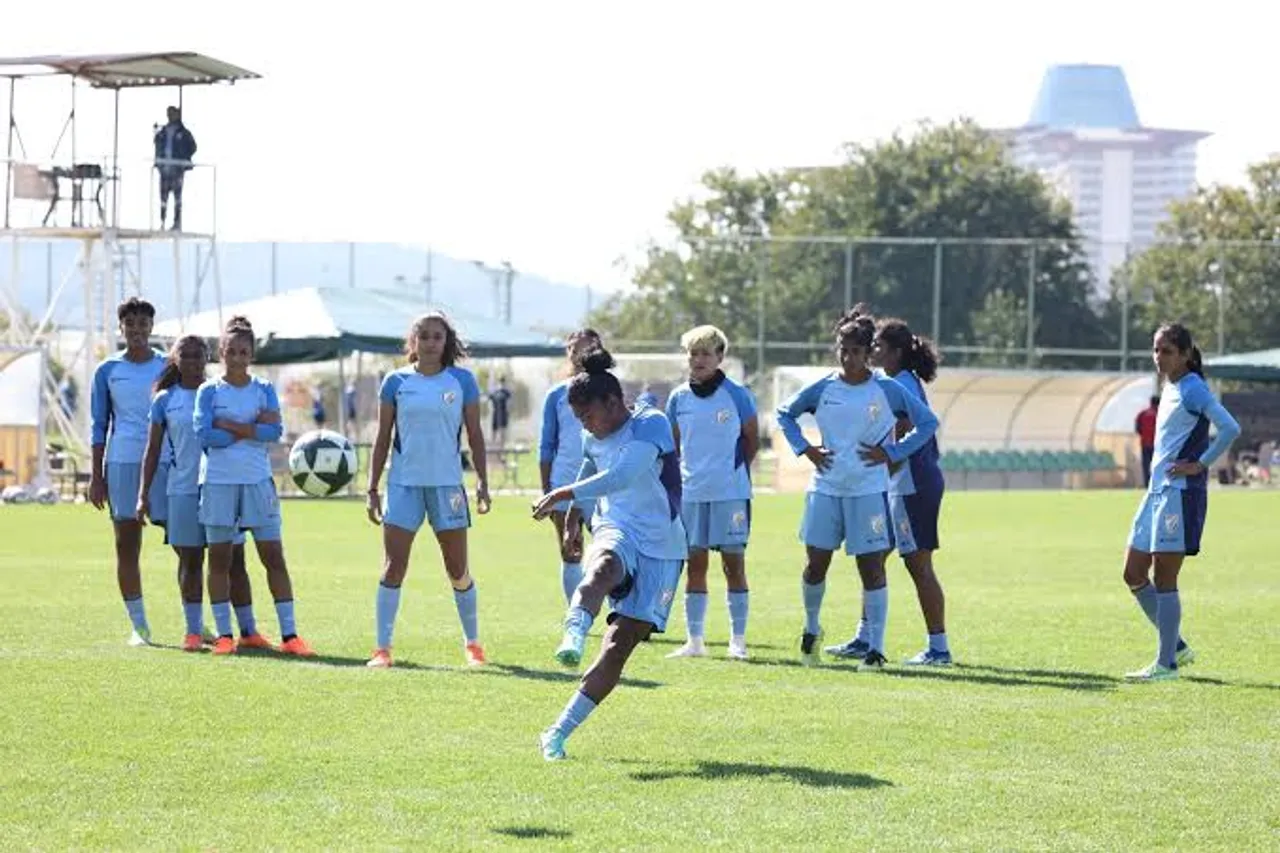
(919, 354)
(171, 375)
(455, 350)
(856, 327)
(1180, 336)
(594, 382)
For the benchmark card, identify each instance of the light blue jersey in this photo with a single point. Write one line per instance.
(1187, 407)
(561, 439)
(850, 416)
(228, 460)
(427, 445)
(120, 403)
(636, 477)
(712, 457)
(174, 408)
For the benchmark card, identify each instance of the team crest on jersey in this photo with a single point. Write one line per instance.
(456, 500)
(739, 520)
(877, 524)
(1170, 523)
(873, 411)
(722, 416)
(449, 397)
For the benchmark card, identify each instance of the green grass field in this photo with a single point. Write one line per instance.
(1031, 743)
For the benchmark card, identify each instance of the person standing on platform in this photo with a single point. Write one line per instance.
(175, 146)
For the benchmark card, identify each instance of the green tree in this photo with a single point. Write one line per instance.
(1216, 267)
(952, 181)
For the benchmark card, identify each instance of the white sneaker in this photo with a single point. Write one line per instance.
(693, 648)
(737, 648)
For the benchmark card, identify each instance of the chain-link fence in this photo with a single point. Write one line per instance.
(1014, 303)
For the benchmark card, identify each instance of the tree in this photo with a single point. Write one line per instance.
(942, 183)
(1215, 269)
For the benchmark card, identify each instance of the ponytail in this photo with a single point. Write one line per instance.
(168, 377)
(172, 375)
(1195, 363)
(923, 358)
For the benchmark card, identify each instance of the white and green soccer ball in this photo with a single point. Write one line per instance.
(321, 462)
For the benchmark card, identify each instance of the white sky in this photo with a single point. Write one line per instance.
(557, 134)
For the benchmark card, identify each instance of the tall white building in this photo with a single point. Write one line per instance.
(1084, 137)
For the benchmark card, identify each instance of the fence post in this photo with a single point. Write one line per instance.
(937, 292)
(1031, 309)
(848, 276)
(1125, 295)
(762, 276)
(1222, 310)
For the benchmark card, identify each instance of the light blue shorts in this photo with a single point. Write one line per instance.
(904, 537)
(649, 586)
(444, 507)
(227, 509)
(123, 480)
(862, 523)
(184, 529)
(723, 526)
(1170, 521)
(158, 497)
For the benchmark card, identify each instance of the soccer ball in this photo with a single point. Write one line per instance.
(321, 462)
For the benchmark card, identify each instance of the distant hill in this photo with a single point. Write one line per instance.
(245, 272)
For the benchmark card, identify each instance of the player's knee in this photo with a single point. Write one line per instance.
(463, 582)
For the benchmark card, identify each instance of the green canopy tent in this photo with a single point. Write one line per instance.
(1258, 366)
(325, 323)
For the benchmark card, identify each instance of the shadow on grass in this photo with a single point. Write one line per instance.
(674, 641)
(531, 832)
(1220, 682)
(492, 669)
(1008, 678)
(715, 771)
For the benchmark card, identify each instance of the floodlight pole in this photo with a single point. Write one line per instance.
(8, 154)
(115, 164)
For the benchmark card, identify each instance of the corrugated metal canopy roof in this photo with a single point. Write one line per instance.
(128, 70)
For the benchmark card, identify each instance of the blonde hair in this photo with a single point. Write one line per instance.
(705, 336)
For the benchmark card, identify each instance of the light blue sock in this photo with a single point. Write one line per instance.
(695, 614)
(466, 602)
(877, 615)
(388, 604)
(813, 593)
(137, 614)
(578, 619)
(244, 618)
(1146, 598)
(575, 713)
(1145, 595)
(221, 617)
(194, 613)
(863, 634)
(570, 577)
(284, 612)
(739, 605)
(938, 642)
(1168, 620)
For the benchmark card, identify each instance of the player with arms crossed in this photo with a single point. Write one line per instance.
(560, 457)
(638, 542)
(716, 433)
(173, 428)
(848, 499)
(235, 416)
(915, 495)
(119, 403)
(423, 408)
(1170, 521)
